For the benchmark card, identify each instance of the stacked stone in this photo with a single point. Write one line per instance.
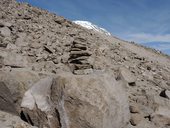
(79, 57)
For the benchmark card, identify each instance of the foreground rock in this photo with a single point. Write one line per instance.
(10, 121)
(73, 101)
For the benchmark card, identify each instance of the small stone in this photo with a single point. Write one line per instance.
(135, 119)
(165, 93)
(11, 46)
(35, 45)
(20, 40)
(5, 31)
(83, 72)
(126, 75)
(134, 109)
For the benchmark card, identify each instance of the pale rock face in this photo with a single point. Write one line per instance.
(38, 94)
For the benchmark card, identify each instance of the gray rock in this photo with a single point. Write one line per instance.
(135, 119)
(126, 75)
(134, 108)
(5, 31)
(14, 60)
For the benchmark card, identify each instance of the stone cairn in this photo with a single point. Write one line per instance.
(79, 57)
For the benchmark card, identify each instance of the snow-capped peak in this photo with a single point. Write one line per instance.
(91, 26)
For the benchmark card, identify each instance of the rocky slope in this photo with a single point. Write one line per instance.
(56, 74)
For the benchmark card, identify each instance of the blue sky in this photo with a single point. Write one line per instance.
(141, 21)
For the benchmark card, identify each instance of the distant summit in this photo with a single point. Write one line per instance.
(91, 26)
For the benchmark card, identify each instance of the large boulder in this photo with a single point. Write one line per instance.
(77, 101)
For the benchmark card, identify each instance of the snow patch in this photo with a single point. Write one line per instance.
(91, 26)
